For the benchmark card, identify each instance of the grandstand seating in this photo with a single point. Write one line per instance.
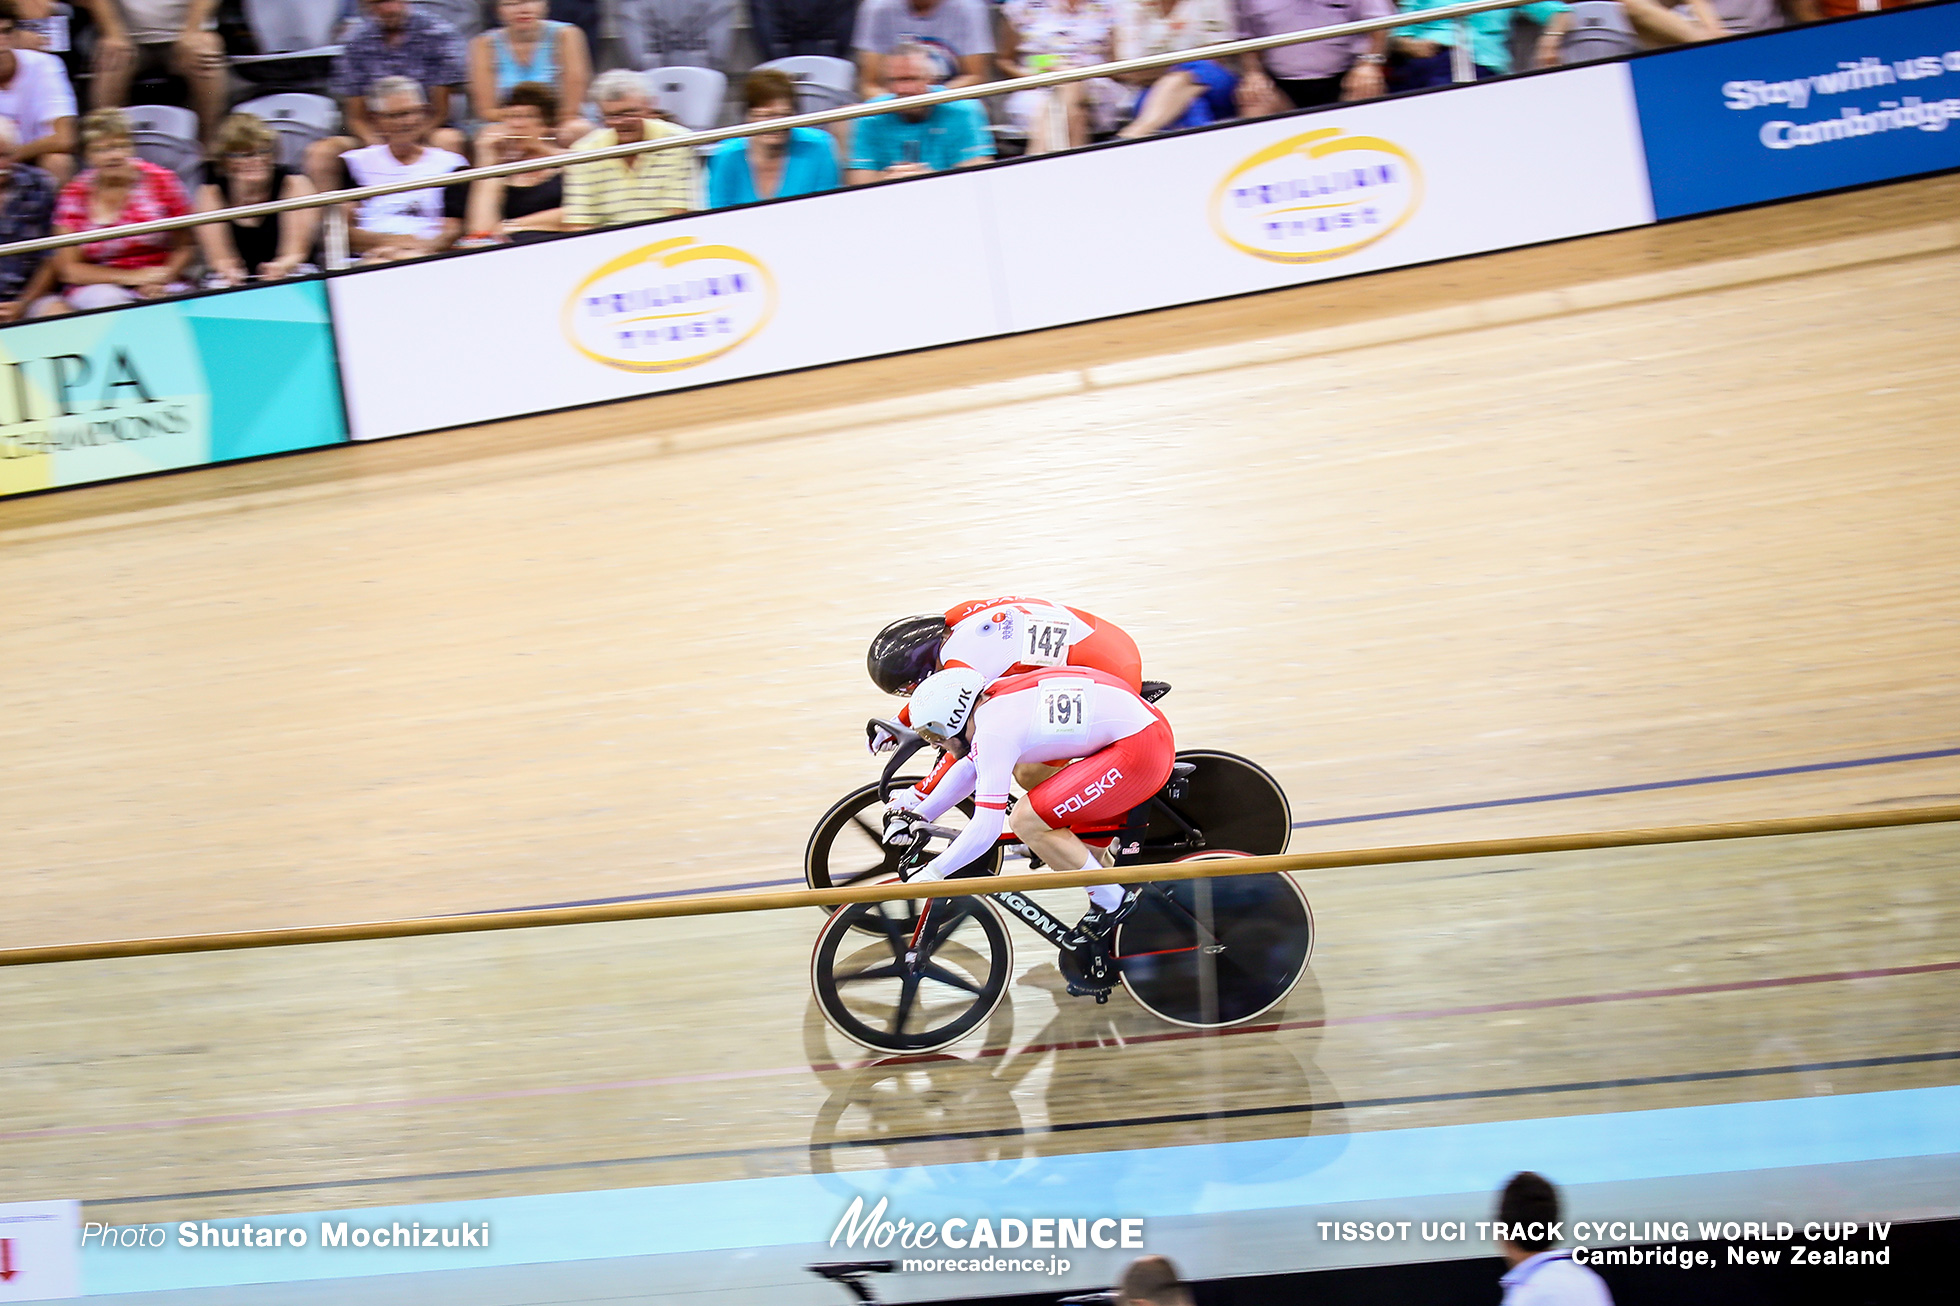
(167, 136)
(692, 95)
(297, 121)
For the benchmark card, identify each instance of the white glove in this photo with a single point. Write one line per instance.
(878, 739)
(900, 825)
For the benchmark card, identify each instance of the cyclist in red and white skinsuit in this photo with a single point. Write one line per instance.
(1117, 751)
(1000, 637)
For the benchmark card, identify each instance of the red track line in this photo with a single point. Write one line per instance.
(715, 1076)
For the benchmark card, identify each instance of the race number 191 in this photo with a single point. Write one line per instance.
(1064, 709)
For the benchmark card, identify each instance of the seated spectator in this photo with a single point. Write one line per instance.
(775, 164)
(1662, 22)
(1425, 55)
(394, 41)
(910, 142)
(524, 206)
(26, 213)
(137, 37)
(530, 48)
(1189, 94)
(957, 35)
(114, 190)
(35, 94)
(655, 184)
(1312, 72)
(247, 171)
(409, 223)
(1046, 35)
(669, 33)
(786, 28)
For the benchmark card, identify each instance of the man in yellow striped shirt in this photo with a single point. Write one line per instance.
(612, 191)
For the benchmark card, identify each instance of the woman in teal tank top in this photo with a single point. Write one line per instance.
(776, 164)
(531, 48)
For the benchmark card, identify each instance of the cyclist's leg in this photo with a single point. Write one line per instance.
(1093, 793)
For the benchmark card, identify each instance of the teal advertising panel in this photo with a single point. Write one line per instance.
(160, 386)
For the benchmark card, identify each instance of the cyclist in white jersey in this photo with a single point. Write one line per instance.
(1117, 748)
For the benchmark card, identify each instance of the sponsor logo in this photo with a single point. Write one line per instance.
(1090, 793)
(1318, 196)
(670, 305)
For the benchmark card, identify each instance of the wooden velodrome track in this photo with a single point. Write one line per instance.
(1697, 529)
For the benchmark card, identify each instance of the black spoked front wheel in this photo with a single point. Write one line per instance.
(872, 994)
(847, 849)
(1227, 804)
(1215, 952)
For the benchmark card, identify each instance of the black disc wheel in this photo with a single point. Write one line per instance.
(872, 994)
(847, 847)
(1215, 952)
(1227, 804)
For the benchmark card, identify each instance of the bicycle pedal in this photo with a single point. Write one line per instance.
(1101, 995)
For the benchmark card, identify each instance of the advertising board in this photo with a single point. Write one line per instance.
(1286, 201)
(157, 386)
(1801, 111)
(638, 310)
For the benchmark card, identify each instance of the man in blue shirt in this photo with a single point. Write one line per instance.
(910, 142)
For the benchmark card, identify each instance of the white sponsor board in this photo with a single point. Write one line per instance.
(639, 310)
(40, 1250)
(1285, 201)
(860, 273)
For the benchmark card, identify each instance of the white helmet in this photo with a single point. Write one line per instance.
(945, 699)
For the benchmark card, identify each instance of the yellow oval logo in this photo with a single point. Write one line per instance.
(1316, 197)
(671, 305)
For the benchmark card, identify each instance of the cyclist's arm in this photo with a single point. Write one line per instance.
(993, 770)
(954, 783)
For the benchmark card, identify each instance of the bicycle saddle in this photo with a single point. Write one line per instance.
(1153, 690)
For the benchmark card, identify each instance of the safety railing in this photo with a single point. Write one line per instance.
(845, 113)
(720, 904)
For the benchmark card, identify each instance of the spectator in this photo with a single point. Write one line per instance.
(530, 48)
(394, 41)
(667, 33)
(909, 142)
(410, 223)
(1044, 35)
(785, 28)
(35, 94)
(1152, 1281)
(247, 171)
(1425, 55)
(1537, 1275)
(524, 206)
(135, 37)
(26, 213)
(656, 184)
(776, 164)
(1189, 94)
(1313, 72)
(117, 189)
(958, 36)
(1663, 23)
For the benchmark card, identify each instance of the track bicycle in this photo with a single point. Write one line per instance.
(917, 975)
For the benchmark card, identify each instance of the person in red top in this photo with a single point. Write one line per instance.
(117, 189)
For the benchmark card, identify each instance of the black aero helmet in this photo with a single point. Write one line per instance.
(905, 652)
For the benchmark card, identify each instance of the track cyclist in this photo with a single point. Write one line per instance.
(1115, 750)
(999, 637)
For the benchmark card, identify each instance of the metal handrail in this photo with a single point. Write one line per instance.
(867, 109)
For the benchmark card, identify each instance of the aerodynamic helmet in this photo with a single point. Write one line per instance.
(944, 700)
(905, 653)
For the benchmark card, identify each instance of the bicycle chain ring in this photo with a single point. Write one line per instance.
(1094, 975)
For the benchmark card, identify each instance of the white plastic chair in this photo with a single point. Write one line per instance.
(167, 136)
(1600, 29)
(692, 95)
(821, 81)
(296, 120)
(291, 29)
